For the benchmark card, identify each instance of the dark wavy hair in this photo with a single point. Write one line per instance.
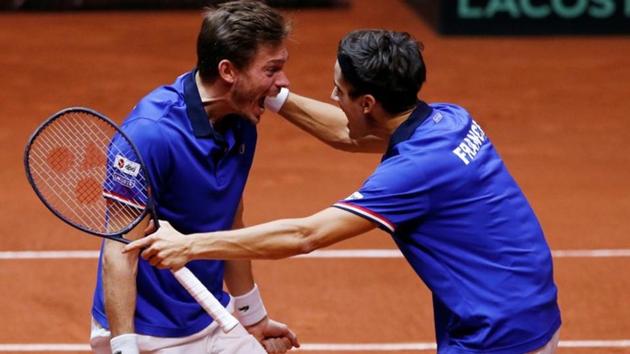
(234, 30)
(385, 64)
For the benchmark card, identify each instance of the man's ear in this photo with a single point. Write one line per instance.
(227, 71)
(367, 103)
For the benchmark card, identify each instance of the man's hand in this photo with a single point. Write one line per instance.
(276, 337)
(164, 249)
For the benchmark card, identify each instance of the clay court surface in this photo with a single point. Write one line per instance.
(556, 108)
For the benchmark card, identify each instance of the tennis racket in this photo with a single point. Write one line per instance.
(89, 174)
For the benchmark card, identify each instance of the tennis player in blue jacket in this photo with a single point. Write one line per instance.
(197, 138)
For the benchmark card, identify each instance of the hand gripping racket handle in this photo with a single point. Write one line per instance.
(190, 282)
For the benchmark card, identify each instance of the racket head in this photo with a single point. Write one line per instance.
(89, 173)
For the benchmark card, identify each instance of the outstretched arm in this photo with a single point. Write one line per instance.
(273, 240)
(328, 123)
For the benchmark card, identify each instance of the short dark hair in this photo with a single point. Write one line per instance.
(386, 64)
(234, 30)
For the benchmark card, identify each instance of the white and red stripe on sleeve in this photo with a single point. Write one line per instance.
(368, 214)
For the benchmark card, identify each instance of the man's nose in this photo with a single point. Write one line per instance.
(282, 80)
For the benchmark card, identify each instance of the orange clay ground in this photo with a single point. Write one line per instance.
(557, 108)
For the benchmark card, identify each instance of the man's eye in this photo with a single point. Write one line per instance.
(271, 71)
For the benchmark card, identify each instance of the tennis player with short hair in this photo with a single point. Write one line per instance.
(197, 138)
(441, 191)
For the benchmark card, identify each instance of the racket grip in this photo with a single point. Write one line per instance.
(198, 291)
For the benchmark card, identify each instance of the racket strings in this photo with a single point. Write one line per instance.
(71, 162)
(55, 183)
(87, 189)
